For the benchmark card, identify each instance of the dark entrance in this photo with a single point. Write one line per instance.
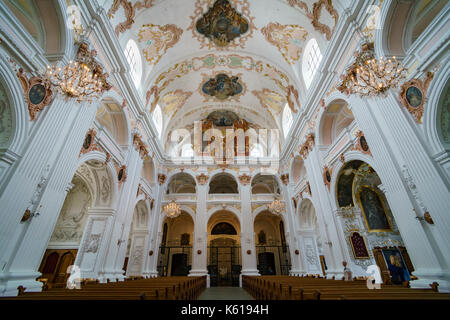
(179, 265)
(176, 259)
(266, 263)
(224, 265)
(273, 260)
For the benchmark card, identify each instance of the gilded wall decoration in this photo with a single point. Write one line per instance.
(361, 143)
(245, 179)
(161, 178)
(88, 143)
(157, 40)
(129, 11)
(38, 93)
(212, 61)
(202, 179)
(140, 146)
(307, 146)
(413, 95)
(223, 24)
(270, 100)
(121, 174)
(173, 101)
(326, 175)
(222, 86)
(316, 12)
(285, 178)
(287, 38)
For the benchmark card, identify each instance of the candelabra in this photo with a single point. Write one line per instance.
(172, 209)
(277, 207)
(368, 76)
(82, 79)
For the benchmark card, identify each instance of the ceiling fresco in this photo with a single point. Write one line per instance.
(222, 24)
(223, 86)
(157, 40)
(240, 56)
(289, 39)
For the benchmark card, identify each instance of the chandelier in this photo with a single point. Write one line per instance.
(82, 79)
(172, 210)
(277, 207)
(368, 76)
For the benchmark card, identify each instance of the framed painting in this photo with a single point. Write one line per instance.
(373, 209)
(413, 95)
(359, 246)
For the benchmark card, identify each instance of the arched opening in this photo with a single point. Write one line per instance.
(265, 184)
(135, 255)
(224, 250)
(175, 252)
(287, 120)
(375, 235)
(158, 120)
(421, 15)
(43, 22)
(6, 119)
(134, 60)
(443, 117)
(311, 61)
(223, 183)
(272, 250)
(310, 238)
(110, 117)
(91, 188)
(181, 183)
(334, 121)
(298, 171)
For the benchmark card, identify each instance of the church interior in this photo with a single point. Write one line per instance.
(164, 149)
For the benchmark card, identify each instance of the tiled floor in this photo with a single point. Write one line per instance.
(225, 293)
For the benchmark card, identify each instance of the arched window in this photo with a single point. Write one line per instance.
(134, 60)
(287, 120)
(157, 119)
(311, 61)
(187, 151)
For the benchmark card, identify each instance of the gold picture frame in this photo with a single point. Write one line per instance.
(379, 195)
(353, 248)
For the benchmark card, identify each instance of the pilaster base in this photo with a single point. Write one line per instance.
(9, 283)
(198, 273)
(425, 281)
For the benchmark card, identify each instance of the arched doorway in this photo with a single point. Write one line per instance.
(175, 252)
(134, 258)
(224, 250)
(272, 251)
(370, 230)
(310, 238)
(90, 188)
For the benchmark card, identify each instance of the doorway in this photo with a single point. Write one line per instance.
(179, 264)
(224, 265)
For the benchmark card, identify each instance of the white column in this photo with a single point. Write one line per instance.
(200, 234)
(249, 264)
(117, 245)
(297, 266)
(396, 146)
(334, 244)
(155, 235)
(41, 178)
